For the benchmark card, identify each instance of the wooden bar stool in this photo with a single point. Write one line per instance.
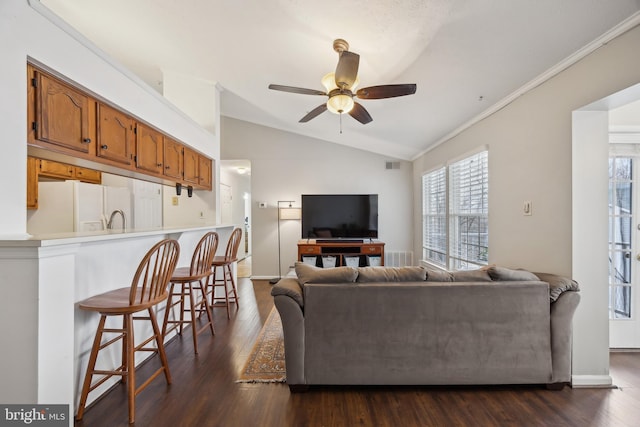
(225, 262)
(148, 288)
(190, 283)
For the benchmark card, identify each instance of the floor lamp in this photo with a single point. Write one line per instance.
(284, 213)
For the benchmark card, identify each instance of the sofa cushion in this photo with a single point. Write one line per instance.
(439, 276)
(480, 275)
(508, 274)
(391, 274)
(311, 274)
(558, 284)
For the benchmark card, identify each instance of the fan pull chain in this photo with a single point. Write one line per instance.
(340, 122)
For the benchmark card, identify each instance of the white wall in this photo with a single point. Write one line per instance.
(28, 34)
(530, 158)
(284, 166)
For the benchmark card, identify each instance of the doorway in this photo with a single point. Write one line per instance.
(624, 227)
(235, 200)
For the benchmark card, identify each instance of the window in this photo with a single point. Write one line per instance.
(455, 228)
(620, 233)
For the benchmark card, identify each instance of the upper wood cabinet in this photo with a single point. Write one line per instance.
(149, 148)
(68, 120)
(191, 166)
(115, 135)
(205, 171)
(53, 169)
(62, 114)
(173, 158)
(88, 175)
(50, 169)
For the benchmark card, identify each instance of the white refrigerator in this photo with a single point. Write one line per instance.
(73, 206)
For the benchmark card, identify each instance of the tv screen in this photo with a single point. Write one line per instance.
(339, 216)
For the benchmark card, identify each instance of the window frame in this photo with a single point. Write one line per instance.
(465, 248)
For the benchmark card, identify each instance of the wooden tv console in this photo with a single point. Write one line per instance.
(362, 248)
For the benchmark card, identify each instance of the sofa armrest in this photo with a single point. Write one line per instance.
(289, 287)
(293, 329)
(562, 311)
(558, 284)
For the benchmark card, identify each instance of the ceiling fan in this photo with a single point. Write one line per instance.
(340, 87)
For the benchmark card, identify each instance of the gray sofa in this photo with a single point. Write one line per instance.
(412, 326)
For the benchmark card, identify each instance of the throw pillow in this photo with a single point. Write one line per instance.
(507, 274)
(311, 274)
(391, 274)
(558, 284)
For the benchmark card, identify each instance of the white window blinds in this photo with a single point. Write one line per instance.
(455, 228)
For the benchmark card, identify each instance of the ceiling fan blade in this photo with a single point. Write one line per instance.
(293, 89)
(314, 113)
(347, 69)
(386, 91)
(359, 113)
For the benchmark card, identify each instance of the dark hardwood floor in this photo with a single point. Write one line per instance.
(204, 391)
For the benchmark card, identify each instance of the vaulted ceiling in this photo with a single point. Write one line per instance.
(466, 56)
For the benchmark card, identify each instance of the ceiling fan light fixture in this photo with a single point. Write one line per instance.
(340, 104)
(329, 82)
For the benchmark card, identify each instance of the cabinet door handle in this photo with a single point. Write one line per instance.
(104, 146)
(159, 164)
(86, 140)
(167, 167)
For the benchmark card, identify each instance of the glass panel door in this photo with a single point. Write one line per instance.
(623, 231)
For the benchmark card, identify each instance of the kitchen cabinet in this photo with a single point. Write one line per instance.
(149, 148)
(82, 128)
(205, 170)
(32, 183)
(62, 115)
(87, 175)
(54, 170)
(115, 134)
(173, 159)
(191, 163)
(51, 169)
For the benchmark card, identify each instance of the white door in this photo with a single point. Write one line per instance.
(624, 253)
(147, 204)
(226, 204)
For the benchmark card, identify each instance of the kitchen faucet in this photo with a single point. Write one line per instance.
(124, 220)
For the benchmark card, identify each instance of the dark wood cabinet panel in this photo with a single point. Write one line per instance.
(149, 148)
(191, 166)
(205, 171)
(55, 169)
(173, 158)
(32, 183)
(61, 114)
(115, 135)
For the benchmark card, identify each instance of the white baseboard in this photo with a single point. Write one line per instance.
(263, 277)
(591, 381)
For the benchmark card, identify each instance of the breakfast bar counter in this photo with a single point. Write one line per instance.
(46, 338)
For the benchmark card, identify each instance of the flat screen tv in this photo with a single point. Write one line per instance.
(340, 216)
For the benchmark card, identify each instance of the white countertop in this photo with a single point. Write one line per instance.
(57, 239)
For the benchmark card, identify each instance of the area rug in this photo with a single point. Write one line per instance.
(266, 361)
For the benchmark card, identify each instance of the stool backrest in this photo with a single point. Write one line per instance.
(203, 255)
(231, 252)
(149, 285)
